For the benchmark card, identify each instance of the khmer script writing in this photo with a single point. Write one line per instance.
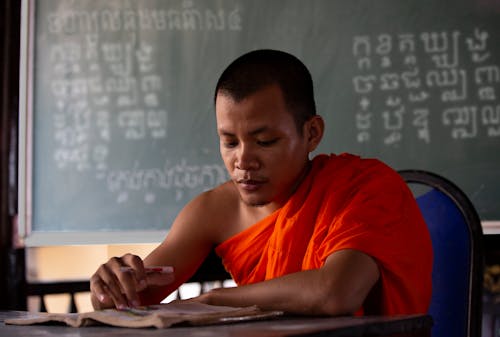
(403, 80)
(106, 86)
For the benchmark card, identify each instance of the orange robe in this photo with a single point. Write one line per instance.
(345, 202)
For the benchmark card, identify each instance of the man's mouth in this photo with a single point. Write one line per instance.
(250, 184)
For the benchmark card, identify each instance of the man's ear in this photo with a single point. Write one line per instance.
(313, 130)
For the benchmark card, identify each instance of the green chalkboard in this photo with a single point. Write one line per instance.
(123, 128)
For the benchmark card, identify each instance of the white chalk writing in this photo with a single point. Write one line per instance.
(123, 81)
(186, 18)
(402, 79)
(107, 88)
(179, 178)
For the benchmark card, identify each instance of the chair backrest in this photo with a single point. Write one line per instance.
(456, 234)
(210, 270)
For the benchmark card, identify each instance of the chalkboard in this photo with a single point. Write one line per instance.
(123, 128)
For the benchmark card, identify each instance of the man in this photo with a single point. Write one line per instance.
(329, 236)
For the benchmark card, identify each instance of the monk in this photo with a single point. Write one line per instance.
(329, 235)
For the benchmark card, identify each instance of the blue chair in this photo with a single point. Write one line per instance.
(456, 233)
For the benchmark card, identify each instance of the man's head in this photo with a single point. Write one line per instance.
(260, 68)
(264, 148)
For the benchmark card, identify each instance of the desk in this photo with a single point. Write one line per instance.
(410, 326)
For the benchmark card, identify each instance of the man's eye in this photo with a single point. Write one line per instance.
(267, 142)
(230, 144)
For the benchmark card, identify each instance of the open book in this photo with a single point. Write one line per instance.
(159, 316)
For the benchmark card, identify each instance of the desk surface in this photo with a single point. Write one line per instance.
(413, 325)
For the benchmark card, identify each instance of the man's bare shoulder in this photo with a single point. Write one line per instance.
(219, 198)
(216, 210)
(220, 213)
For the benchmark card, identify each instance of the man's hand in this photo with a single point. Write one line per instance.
(118, 282)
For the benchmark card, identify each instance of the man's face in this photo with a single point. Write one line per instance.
(261, 147)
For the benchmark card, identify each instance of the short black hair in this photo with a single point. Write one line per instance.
(260, 68)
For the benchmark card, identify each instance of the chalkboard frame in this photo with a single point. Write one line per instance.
(36, 238)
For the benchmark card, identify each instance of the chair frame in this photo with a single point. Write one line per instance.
(475, 232)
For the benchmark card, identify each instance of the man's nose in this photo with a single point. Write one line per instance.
(246, 158)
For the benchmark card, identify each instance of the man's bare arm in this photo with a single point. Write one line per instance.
(184, 249)
(339, 287)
